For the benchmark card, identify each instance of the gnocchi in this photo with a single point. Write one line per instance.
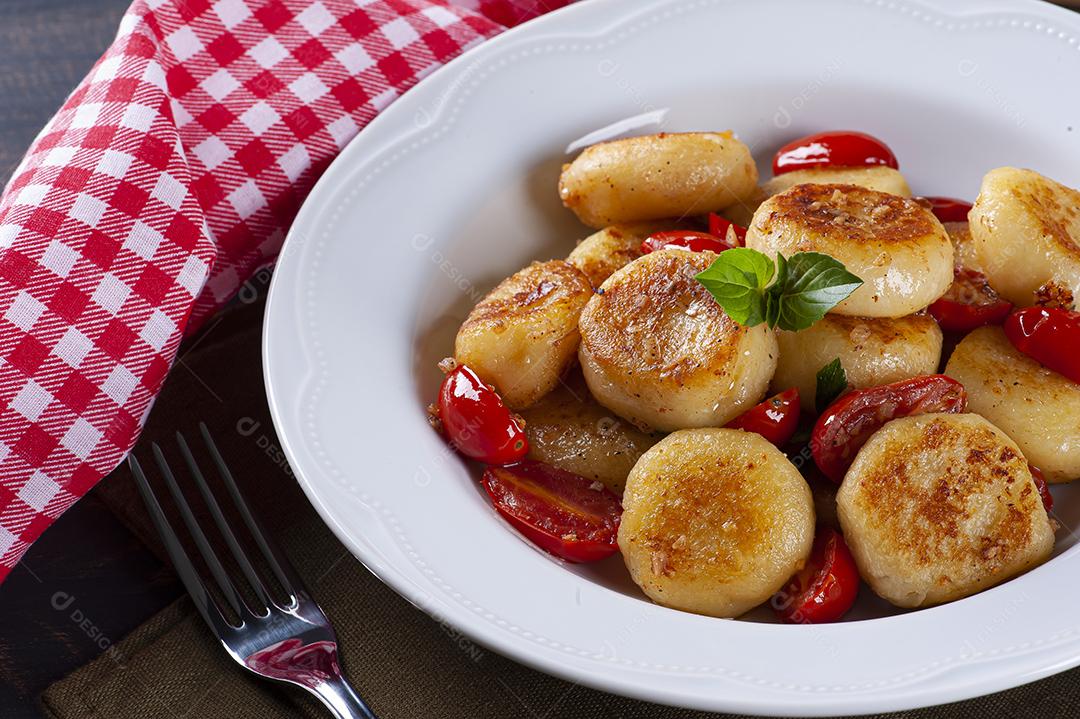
(1026, 230)
(523, 335)
(896, 246)
(657, 176)
(1038, 408)
(872, 351)
(939, 506)
(714, 521)
(659, 352)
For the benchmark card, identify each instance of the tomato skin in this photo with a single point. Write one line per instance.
(1049, 335)
(823, 590)
(685, 239)
(948, 209)
(847, 423)
(720, 226)
(564, 514)
(1043, 487)
(969, 302)
(775, 419)
(841, 148)
(476, 421)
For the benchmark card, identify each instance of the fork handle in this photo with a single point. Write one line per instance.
(340, 698)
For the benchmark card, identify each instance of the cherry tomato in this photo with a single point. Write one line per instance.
(948, 209)
(848, 422)
(775, 419)
(721, 226)
(844, 148)
(476, 421)
(825, 588)
(969, 302)
(1049, 335)
(687, 240)
(1043, 487)
(562, 513)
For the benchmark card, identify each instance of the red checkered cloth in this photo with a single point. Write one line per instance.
(167, 178)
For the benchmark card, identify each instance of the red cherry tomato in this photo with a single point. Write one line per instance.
(825, 588)
(1049, 335)
(775, 419)
(687, 240)
(848, 422)
(476, 421)
(949, 209)
(969, 302)
(562, 513)
(1043, 487)
(844, 148)
(721, 226)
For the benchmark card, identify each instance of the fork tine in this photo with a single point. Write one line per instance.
(215, 510)
(197, 534)
(204, 602)
(281, 567)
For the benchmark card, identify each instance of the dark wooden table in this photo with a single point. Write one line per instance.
(88, 582)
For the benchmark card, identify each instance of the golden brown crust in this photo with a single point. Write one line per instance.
(523, 335)
(860, 214)
(533, 290)
(714, 521)
(636, 322)
(1055, 209)
(940, 506)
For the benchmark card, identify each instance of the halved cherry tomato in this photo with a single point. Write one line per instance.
(476, 421)
(825, 588)
(948, 209)
(562, 513)
(848, 422)
(721, 226)
(1049, 335)
(687, 240)
(775, 419)
(1043, 487)
(843, 148)
(969, 302)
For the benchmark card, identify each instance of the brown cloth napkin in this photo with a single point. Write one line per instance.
(407, 665)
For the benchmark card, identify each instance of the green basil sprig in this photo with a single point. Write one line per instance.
(790, 293)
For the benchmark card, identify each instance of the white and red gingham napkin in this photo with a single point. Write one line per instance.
(167, 178)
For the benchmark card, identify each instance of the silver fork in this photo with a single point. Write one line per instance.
(290, 642)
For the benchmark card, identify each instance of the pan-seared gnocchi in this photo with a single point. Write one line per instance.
(612, 248)
(1026, 229)
(927, 487)
(872, 351)
(658, 351)
(657, 176)
(523, 335)
(714, 521)
(895, 245)
(879, 177)
(1038, 408)
(941, 506)
(570, 430)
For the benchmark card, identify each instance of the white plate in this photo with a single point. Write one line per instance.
(453, 188)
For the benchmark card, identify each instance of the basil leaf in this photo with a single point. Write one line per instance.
(791, 294)
(810, 285)
(831, 383)
(738, 280)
